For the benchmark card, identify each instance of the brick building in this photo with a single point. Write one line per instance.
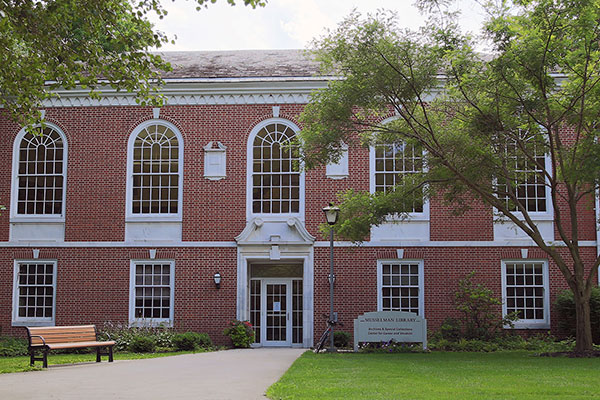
(125, 213)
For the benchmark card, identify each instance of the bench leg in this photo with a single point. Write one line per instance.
(46, 358)
(98, 359)
(31, 358)
(110, 354)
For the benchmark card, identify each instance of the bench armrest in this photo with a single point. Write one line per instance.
(41, 337)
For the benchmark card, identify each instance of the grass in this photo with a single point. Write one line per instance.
(438, 375)
(21, 363)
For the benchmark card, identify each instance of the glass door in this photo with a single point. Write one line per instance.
(277, 309)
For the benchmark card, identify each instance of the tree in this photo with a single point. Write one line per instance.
(47, 44)
(486, 123)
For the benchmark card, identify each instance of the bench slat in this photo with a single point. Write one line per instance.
(62, 334)
(54, 346)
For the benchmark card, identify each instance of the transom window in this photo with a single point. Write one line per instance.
(275, 171)
(528, 181)
(152, 292)
(41, 173)
(526, 291)
(401, 286)
(156, 171)
(34, 292)
(395, 164)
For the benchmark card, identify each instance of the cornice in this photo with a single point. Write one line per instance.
(218, 91)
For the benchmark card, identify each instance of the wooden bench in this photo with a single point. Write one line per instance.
(64, 337)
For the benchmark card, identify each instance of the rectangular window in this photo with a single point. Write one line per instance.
(525, 291)
(395, 165)
(34, 293)
(400, 286)
(526, 181)
(152, 284)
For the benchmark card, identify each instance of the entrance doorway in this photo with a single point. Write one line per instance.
(276, 304)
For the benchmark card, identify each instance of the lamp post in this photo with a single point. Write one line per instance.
(331, 214)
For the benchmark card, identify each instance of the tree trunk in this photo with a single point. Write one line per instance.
(584, 327)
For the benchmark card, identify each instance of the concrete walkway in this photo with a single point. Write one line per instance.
(231, 374)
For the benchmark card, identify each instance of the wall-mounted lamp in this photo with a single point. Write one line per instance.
(217, 278)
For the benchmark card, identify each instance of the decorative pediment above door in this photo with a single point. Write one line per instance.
(268, 232)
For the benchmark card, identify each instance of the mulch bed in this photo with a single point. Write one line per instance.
(573, 354)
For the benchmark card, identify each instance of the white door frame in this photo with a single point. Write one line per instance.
(263, 311)
(243, 290)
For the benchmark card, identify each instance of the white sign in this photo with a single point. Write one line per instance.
(276, 306)
(384, 326)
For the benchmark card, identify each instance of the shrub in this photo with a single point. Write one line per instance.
(240, 332)
(450, 329)
(565, 308)
(12, 346)
(123, 335)
(142, 344)
(191, 341)
(539, 343)
(204, 341)
(479, 308)
(390, 347)
(341, 339)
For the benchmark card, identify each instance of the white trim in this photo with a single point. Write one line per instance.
(33, 321)
(386, 244)
(203, 91)
(133, 321)
(129, 215)
(260, 255)
(249, 171)
(421, 263)
(14, 217)
(412, 216)
(263, 311)
(531, 323)
(548, 215)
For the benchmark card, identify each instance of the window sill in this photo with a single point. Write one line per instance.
(529, 325)
(36, 219)
(33, 323)
(154, 218)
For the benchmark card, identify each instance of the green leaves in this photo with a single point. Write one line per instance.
(45, 45)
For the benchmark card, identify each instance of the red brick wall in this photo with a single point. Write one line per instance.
(93, 283)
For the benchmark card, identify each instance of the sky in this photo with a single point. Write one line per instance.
(282, 24)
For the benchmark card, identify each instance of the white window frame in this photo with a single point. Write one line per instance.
(133, 321)
(32, 321)
(529, 323)
(547, 215)
(401, 261)
(249, 172)
(156, 217)
(14, 216)
(412, 216)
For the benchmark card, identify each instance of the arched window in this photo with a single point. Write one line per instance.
(275, 170)
(40, 172)
(155, 170)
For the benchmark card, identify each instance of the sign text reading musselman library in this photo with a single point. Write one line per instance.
(384, 326)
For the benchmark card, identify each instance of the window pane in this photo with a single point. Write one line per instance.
(39, 176)
(276, 171)
(525, 290)
(35, 290)
(156, 150)
(153, 290)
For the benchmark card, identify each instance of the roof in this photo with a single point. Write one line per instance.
(240, 64)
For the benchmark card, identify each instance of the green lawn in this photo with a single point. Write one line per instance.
(438, 375)
(21, 364)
